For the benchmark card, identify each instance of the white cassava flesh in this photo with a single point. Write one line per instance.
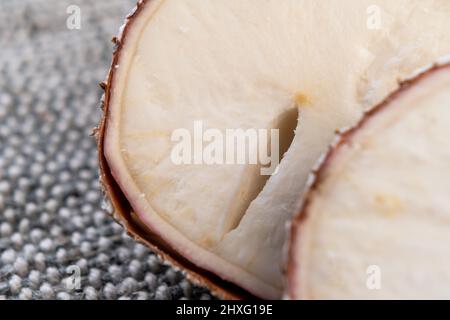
(242, 64)
(376, 223)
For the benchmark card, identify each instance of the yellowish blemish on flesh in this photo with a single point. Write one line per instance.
(389, 205)
(301, 99)
(207, 242)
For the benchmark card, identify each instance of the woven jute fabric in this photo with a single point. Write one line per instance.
(57, 240)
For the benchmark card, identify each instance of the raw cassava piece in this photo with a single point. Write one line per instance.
(254, 64)
(375, 223)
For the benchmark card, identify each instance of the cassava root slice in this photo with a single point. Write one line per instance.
(375, 224)
(236, 64)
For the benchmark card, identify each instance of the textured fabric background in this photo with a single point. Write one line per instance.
(51, 212)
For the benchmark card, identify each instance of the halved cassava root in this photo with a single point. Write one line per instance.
(180, 61)
(123, 212)
(375, 221)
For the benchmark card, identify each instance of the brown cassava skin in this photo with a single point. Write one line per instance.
(318, 175)
(123, 212)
